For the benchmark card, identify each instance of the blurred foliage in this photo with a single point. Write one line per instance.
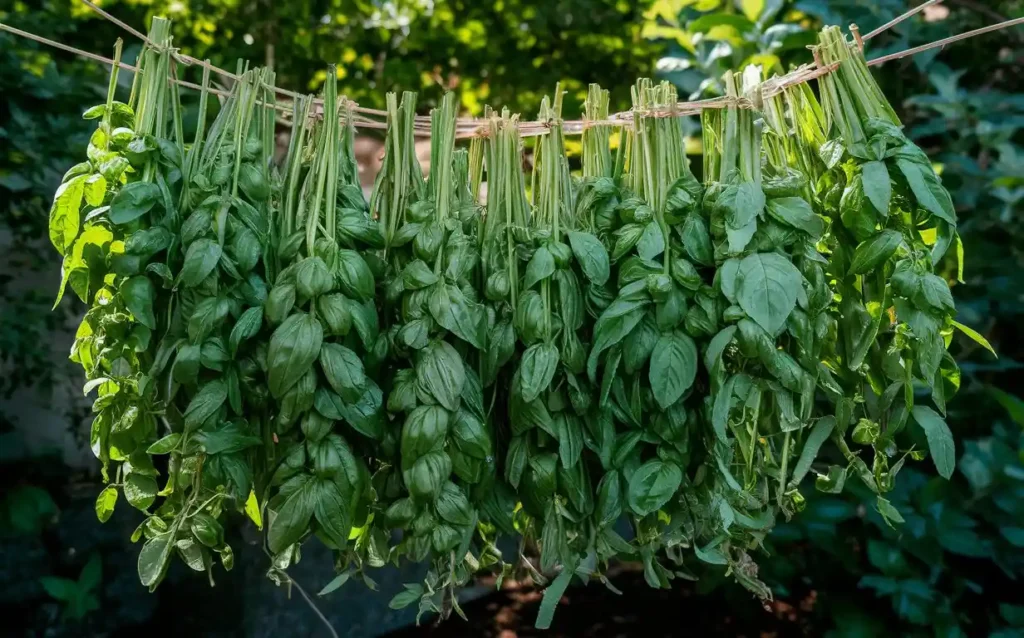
(953, 568)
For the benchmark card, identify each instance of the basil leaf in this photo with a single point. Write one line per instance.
(591, 255)
(201, 258)
(875, 251)
(652, 485)
(673, 368)
(537, 369)
(541, 266)
(877, 187)
(133, 201)
(768, 288)
(293, 348)
(940, 439)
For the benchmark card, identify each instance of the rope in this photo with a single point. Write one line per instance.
(943, 42)
(474, 127)
(909, 14)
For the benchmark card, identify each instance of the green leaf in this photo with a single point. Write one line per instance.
(140, 490)
(105, 503)
(403, 599)
(615, 323)
(889, 512)
(454, 312)
(709, 21)
(153, 559)
(247, 326)
(819, 434)
(65, 213)
(333, 512)
(418, 275)
(652, 485)
(164, 445)
(928, 190)
(651, 242)
(133, 201)
(541, 266)
(440, 371)
(875, 251)
(673, 368)
(976, 337)
(205, 404)
(552, 596)
(697, 240)
(201, 258)
(940, 439)
(293, 348)
(768, 288)
(591, 255)
(292, 520)
(335, 583)
(343, 370)
(354, 275)
(230, 438)
(536, 369)
(877, 186)
(138, 293)
(796, 212)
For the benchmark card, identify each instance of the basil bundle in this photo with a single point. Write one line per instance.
(324, 337)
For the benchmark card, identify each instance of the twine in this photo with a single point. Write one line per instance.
(467, 128)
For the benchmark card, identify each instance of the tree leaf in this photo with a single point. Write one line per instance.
(877, 186)
(673, 368)
(591, 255)
(940, 439)
(768, 288)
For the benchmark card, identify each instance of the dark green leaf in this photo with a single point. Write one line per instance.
(652, 485)
(940, 439)
(133, 201)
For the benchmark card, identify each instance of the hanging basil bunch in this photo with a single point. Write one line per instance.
(892, 223)
(435, 319)
(321, 308)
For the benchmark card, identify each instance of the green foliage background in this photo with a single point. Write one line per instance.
(953, 568)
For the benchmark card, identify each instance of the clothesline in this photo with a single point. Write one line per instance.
(474, 127)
